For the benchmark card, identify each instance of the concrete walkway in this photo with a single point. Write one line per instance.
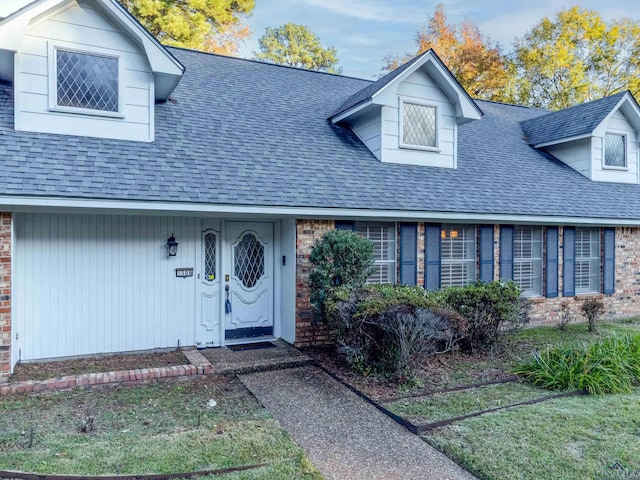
(344, 436)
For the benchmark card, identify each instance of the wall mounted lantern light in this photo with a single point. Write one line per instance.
(172, 246)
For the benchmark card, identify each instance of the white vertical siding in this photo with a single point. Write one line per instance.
(82, 27)
(101, 283)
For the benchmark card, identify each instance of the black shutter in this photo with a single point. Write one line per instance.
(346, 225)
(506, 252)
(432, 256)
(609, 267)
(408, 254)
(551, 274)
(569, 262)
(486, 253)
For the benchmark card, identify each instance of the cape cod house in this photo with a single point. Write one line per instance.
(141, 187)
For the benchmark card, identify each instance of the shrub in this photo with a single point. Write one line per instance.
(389, 328)
(340, 258)
(592, 309)
(609, 366)
(490, 309)
(565, 316)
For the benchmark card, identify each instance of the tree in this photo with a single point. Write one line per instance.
(576, 57)
(295, 45)
(474, 59)
(210, 25)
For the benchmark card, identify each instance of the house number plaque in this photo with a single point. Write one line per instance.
(184, 272)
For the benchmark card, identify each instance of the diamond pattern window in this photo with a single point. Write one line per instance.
(383, 236)
(248, 263)
(527, 259)
(457, 255)
(210, 250)
(587, 260)
(615, 154)
(418, 125)
(87, 81)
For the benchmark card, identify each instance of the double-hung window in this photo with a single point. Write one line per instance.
(85, 82)
(383, 236)
(587, 260)
(457, 255)
(615, 150)
(527, 259)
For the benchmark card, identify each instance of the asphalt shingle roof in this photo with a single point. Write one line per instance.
(249, 133)
(370, 90)
(570, 122)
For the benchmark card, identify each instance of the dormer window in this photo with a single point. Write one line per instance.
(615, 151)
(418, 125)
(85, 82)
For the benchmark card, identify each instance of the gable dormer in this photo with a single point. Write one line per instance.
(599, 139)
(84, 67)
(411, 116)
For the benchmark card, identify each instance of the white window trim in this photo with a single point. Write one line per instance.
(53, 47)
(626, 151)
(401, 144)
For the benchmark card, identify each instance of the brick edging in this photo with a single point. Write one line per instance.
(89, 380)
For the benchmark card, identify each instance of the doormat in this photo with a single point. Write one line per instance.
(250, 346)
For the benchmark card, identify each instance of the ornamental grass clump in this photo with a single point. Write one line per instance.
(609, 366)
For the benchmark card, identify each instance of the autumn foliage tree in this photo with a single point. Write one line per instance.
(296, 46)
(576, 57)
(209, 25)
(474, 59)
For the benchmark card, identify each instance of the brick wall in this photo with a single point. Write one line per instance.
(5, 295)
(625, 302)
(307, 332)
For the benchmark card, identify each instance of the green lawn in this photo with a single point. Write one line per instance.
(569, 438)
(441, 406)
(156, 428)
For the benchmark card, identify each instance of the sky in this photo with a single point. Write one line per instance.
(365, 31)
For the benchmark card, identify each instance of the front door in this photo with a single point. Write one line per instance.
(208, 327)
(248, 280)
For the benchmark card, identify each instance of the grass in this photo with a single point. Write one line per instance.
(569, 438)
(454, 404)
(563, 439)
(156, 428)
(610, 365)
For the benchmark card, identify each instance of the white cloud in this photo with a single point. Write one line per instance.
(373, 10)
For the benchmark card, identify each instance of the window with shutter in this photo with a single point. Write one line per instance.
(587, 260)
(527, 259)
(458, 255)
(383, 236)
